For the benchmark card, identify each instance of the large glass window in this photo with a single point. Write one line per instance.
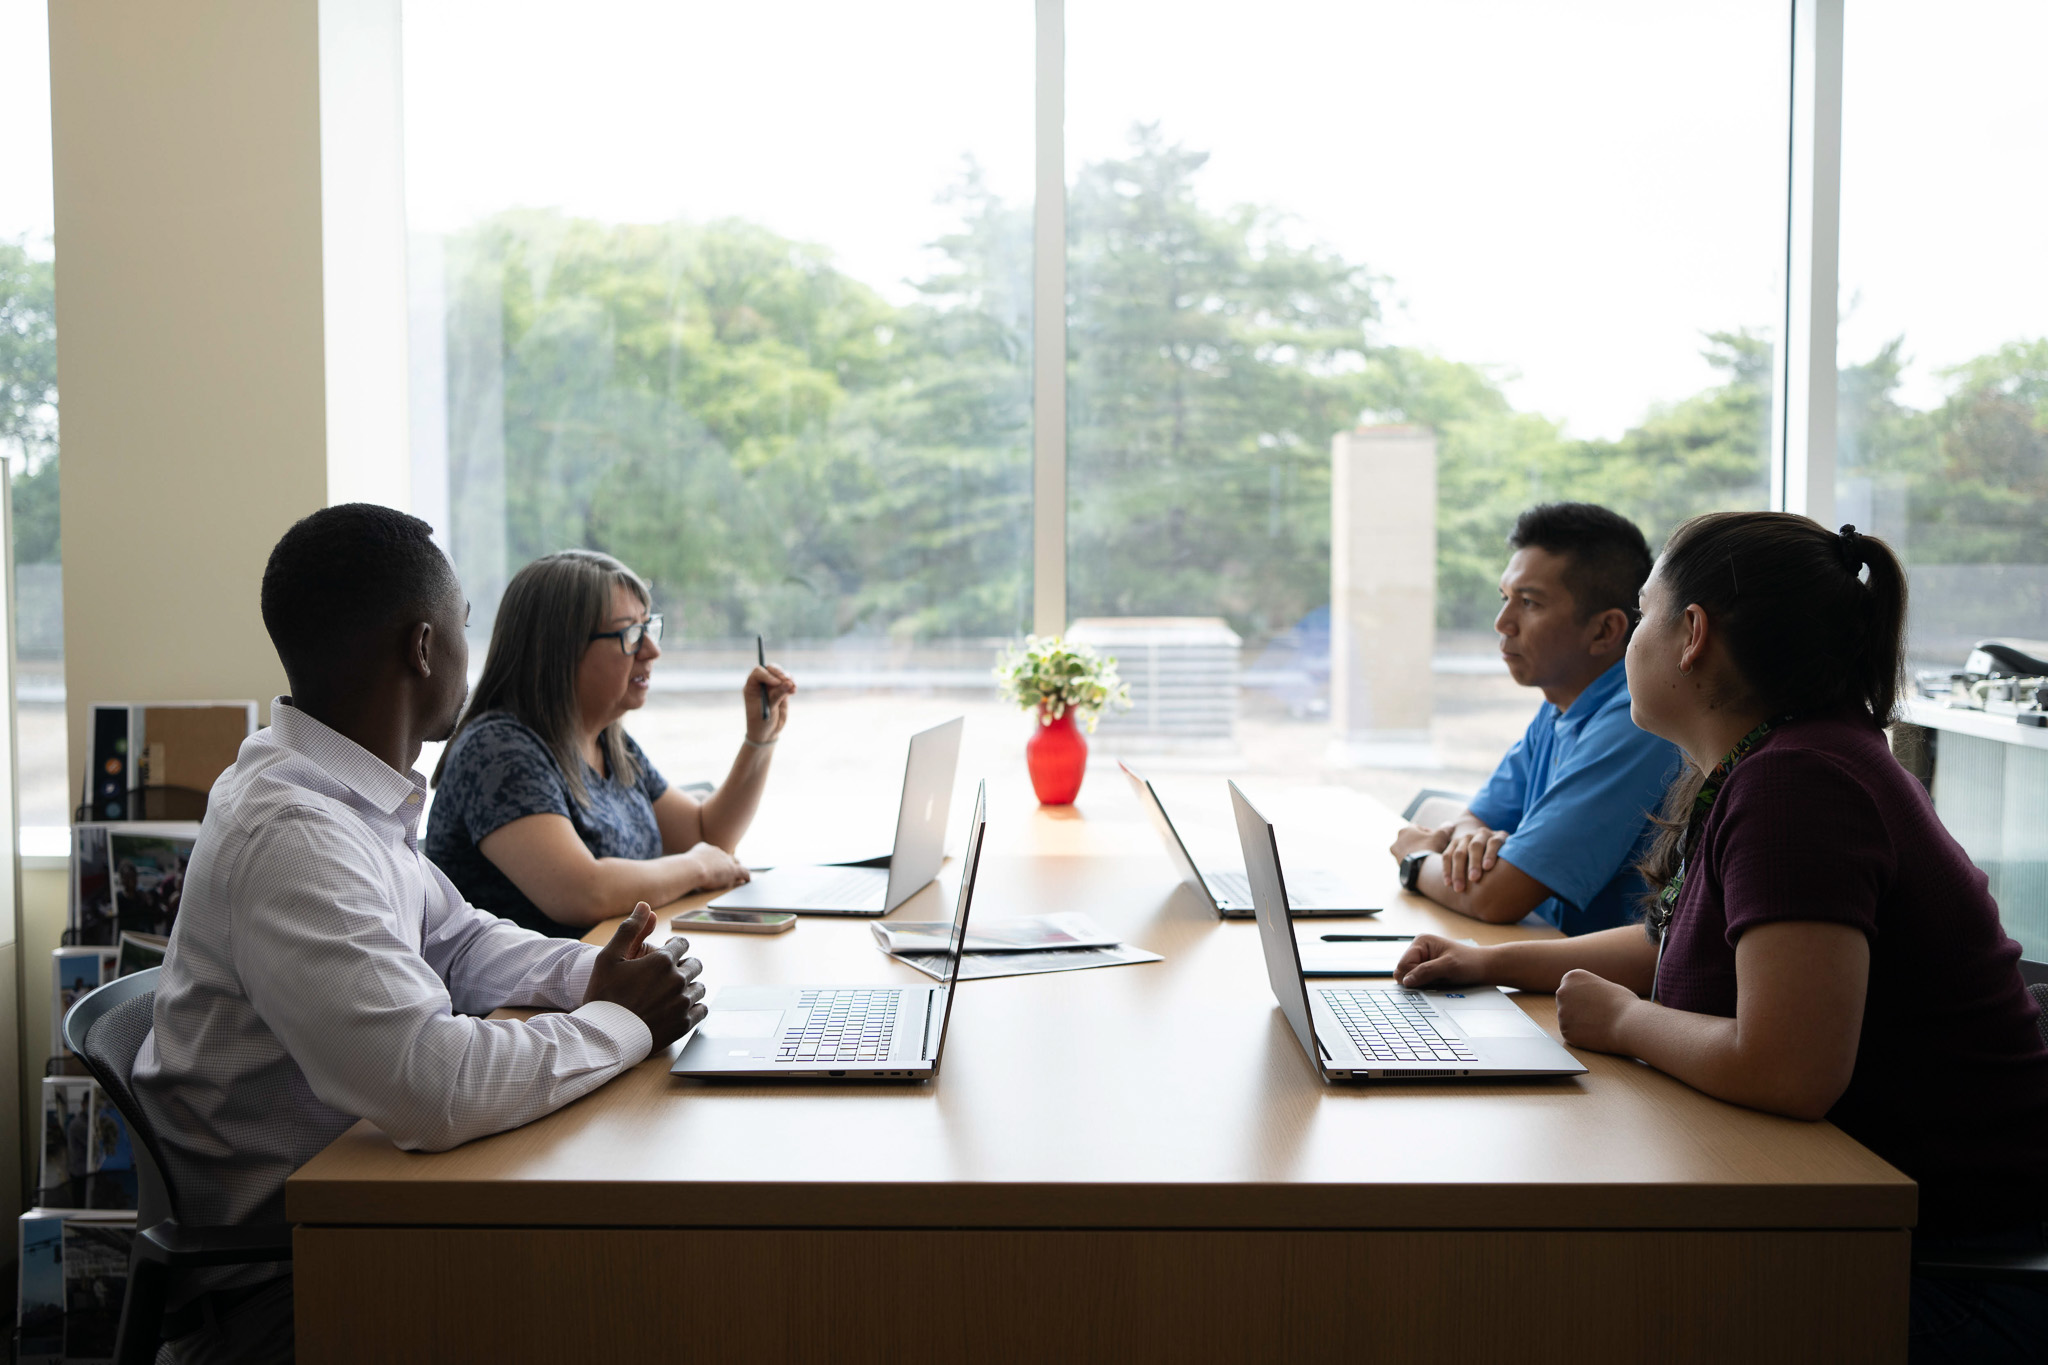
(1943, 387)
(28, 409)
(1943, 400)
(1534, 251)
(742, 296)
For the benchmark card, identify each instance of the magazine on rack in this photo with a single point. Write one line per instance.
(95, 1282)
(67, 1142)
(142, 951)
(128, 875)
(39, 1303)
(75, 974)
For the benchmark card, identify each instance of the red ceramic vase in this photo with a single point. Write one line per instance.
(1058, 758)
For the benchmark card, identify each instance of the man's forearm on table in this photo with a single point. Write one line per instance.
(1501, 896)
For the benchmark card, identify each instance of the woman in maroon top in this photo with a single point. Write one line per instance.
(1820, 947)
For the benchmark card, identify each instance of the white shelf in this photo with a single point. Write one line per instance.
(1977, 724)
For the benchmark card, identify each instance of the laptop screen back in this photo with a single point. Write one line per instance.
(969, 865)
(1276, 923)
(921, 819)
(1155, 810)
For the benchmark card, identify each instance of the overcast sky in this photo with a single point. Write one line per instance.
(1571, 191)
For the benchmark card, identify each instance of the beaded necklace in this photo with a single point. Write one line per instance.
(1667, 899)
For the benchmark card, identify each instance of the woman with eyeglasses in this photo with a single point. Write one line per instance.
(545, 811)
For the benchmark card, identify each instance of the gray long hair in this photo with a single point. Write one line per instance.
(545, 620)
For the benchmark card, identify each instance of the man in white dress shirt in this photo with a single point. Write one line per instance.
(321, 970)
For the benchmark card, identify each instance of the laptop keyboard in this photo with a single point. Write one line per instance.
(1394, 1026)
(844, 1026)
(1234, 888)
(852, 888)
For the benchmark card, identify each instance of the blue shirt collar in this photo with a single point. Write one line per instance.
(1596, 696)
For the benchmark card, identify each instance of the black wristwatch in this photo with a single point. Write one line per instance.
(1411, 870)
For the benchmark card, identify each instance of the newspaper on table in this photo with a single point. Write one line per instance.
(981, 966)
(1066, 942)
(1031, 933)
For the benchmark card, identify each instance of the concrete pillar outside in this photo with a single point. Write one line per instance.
(1382, 594)
(231, 319)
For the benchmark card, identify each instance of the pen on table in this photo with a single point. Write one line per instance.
(761, 654)
(1367, 938)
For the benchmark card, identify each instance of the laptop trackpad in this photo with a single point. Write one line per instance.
(1507, 1023)
(740, 1024)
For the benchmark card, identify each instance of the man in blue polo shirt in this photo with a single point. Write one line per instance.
(1559, 826)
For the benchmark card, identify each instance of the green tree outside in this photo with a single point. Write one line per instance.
(28, 398)
(783, 449)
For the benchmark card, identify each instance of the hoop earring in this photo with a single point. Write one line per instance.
(1684, 672)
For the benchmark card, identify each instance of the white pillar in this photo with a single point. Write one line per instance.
(365, 312)
(1803, 432)
(1382, 594)
(1049, 329)
(231, 319)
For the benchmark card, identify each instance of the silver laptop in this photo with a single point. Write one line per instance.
(838, 1032)
(1327, 952)
(920, 846)
(1385, 1032)
(1313, 893)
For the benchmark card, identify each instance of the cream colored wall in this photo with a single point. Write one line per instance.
(15, 1133)
(190, 355)
(231, 342)
(45, 899)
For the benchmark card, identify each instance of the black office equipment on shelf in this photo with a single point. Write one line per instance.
(1999, 678)
(157, 760)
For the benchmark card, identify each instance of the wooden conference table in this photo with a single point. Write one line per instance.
(1116, 1164)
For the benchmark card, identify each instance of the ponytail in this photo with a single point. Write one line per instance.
(1882, 661)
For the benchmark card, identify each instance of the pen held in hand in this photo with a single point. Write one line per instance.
(761, 656)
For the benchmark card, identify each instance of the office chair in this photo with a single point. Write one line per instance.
(1432, 795)
(2016, 1267)
(106, 1030)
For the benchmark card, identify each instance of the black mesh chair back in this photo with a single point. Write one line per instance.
(106, 1030)
(2035, 974)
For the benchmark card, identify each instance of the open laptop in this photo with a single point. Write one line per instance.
(920, 847)
(1383, 1032)
(1313, 893)
(839, 1032)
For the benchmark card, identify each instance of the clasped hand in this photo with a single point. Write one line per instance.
(658, 984)
(1470, 850)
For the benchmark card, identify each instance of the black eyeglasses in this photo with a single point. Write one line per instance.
(629, 637)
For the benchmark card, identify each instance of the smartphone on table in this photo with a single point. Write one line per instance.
(734, 921)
